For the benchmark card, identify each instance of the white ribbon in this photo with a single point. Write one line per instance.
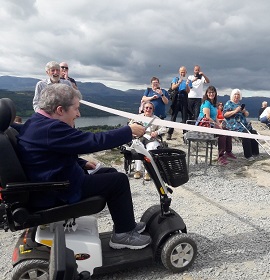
(176, 124)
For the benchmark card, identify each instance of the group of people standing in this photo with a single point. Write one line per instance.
(193, 104)
(187, 100)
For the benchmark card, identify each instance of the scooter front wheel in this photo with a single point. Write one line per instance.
(178, 252)
(31, 269)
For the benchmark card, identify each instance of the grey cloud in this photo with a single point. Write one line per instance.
(118, 42)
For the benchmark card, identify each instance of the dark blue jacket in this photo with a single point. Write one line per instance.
(49, 149)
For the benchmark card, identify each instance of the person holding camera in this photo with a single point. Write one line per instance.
(64, 74)
(235, 114)
(159, 97)
(180, 100)
(195, 95)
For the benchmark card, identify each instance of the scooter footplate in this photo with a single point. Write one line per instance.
(120, 259)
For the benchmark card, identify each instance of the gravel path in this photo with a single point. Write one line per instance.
(226, 211)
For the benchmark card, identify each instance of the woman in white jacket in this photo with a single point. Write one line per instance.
(150, 139)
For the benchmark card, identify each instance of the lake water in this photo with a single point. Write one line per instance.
(91, 121)
(110, 120)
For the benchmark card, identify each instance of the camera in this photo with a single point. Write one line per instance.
(158, 87)
(199, 76)
(243, 106)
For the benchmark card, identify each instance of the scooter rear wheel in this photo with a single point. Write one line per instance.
(31, 269)
(178, 252)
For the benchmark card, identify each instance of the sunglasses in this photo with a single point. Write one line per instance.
(64, 67)
(150, 108)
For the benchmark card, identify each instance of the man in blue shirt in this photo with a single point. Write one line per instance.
(180, 100)
(159, 97)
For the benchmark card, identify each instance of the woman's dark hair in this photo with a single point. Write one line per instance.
(205, 97)
(154, 79)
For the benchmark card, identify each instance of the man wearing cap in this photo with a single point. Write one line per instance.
(52, 69)
(64, 74)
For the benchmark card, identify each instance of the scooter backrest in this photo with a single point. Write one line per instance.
(11, 170)
(7, 113)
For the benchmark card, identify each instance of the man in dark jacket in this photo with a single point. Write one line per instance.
(49, 146)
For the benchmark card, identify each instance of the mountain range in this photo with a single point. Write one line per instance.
(21, 91)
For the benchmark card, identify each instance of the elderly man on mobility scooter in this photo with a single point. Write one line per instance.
(49, 145)
(167, 167)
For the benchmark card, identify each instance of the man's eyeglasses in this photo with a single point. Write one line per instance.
(150, 108)
(64, 67)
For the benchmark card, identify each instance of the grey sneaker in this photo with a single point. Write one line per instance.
(140, 227)
(250, 159)
(131, 240)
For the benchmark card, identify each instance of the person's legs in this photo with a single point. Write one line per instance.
(228, 144)
(152, 145)
(264, 120)
(221, 145)
(114, 186)
(191, 109)
(184, 108)
(221, 150)
(246, 143)
(138, 165)
(173, 119)
(254, 144)
(254, 147)
(197, 105)
(228, 148)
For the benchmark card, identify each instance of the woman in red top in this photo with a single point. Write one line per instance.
(220, 116)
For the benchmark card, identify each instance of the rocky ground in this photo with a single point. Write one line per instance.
(226, 211)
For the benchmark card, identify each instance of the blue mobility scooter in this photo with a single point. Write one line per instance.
(171, 244)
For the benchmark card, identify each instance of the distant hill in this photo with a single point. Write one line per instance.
(21, 91)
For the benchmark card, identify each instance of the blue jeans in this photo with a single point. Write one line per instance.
(264, 120)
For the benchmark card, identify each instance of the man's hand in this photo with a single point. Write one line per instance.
(90, 165)
(137, 130)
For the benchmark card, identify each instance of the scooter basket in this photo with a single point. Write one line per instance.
(172, 166)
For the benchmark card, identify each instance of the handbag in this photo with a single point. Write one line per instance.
(205, 122)
(172, 93)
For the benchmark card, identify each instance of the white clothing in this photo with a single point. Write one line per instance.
(150, 146)
(43, 84)
(265, 112)
(153, 143)
(197, 87)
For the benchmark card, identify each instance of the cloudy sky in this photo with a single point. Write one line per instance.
(124, 43)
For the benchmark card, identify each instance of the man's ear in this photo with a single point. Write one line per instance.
(59, 110)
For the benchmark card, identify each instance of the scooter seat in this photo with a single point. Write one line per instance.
(16, 208)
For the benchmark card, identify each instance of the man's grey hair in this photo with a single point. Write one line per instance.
(52, 64)
(55, 95)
